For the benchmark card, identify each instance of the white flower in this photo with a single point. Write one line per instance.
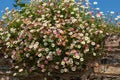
(7, 8)
(93, 16)
(21, 32)
(20, 70)
(77, 63)
(116, 19)
(53, 45)
(4, 17)
(82, 6)
(81, 34)
(74, 20)
(39, 19)
(32, 31)
(45, 44)
(94, 54)
(72, 12)
(36, 45)
(62, 63)
(8, 43)
(77, 56)
(70, 33)
(73, 68)
(62, 70)
(14, 74)
(16, 67)
(81, 59)
(8, 36)
(45, 24)
(93, 43)
(88, 41)
(87, 50)
(46, 49)
(118, 16)
(6, 56)
(45, 36)
(79, 46)
(95, 3)
(54, 17)
(101, 13)
(71, 61)
(39, 55)
(97, 8)
(61, 16)
(30, 46)
(18, 20)
(63, 8)
(101, 31)
(65, 70)
(75, 9)
(27, 55)
(51, 4)
(58, 11)
(83, 42)
(86, 34)
(87, 38)
(112, 12)
(44, 4)
(43, 70)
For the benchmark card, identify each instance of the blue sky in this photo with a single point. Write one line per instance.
(108, 5)
(104, 5)
(4, 4)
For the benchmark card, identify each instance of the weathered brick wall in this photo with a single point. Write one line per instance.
(105, 68)
(108, 67)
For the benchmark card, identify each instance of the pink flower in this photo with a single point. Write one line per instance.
(42, 66)
(97, 46)
(46, 62)
(67, 53)
(65, 59)
(90, 13)
(59, 52)
(14, 52)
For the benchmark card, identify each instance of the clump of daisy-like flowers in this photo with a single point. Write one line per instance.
(52, 36)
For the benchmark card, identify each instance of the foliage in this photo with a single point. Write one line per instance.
(52, 36)
(19, 3)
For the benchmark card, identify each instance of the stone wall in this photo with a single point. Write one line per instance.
(108, 67)
(105, 68)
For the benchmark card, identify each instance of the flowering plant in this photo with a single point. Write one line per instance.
(52, 36)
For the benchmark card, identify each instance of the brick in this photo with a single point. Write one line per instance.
(107, 69)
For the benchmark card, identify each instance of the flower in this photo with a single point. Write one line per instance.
(14, 74)
(7, 8)
(112, 12)
(95, 3)
(73, 68)
(83, 42)
(36, 45)
(93, 43)
(94, 54)
(16, 67)
(62, 63)
(52, 36)
(20, 70)
(81, 59)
